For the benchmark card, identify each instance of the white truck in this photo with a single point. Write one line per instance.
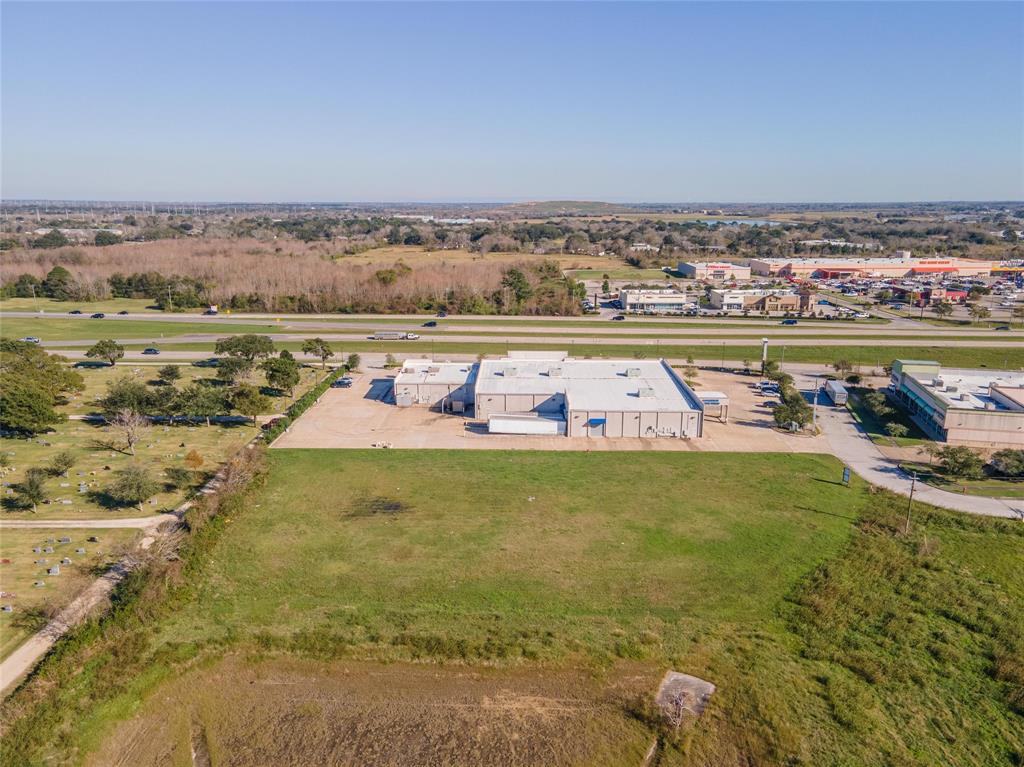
(836, 392)
(394, 335)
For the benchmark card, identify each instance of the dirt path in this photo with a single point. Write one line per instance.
(143, 523)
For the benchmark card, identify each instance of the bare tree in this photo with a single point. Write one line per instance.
(131, 426)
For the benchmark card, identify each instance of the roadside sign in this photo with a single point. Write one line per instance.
(846, 475)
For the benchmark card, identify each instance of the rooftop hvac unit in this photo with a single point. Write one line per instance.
(632, 372)
(511, 372)
(990, 405)
(952, 389)
(434, 369)
(645, 391)
(937, 383)
(555, 372)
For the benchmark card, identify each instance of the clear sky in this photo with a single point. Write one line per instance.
(485, 102)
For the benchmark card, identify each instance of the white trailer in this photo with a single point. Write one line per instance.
(394, 335)
(836, 392)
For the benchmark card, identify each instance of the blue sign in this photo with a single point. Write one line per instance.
(846, 475)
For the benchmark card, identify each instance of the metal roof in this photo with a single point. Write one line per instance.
(430, 372)
(596, 385)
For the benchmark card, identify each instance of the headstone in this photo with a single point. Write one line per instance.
(7, 609)
(65, 484)
(66, 561)
(55, 570)
(37, 549)
(79, 550)
(41, 561)
(48, 550)
(39, 584)
(65, 539)
(93, 539)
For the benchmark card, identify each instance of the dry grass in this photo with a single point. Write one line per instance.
(293, 712)
(317, 272)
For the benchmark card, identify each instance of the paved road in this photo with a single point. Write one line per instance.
(513, 324)
(850, 444)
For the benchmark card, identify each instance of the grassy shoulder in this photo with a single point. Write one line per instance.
(51, 329)
(21, 568)
(833, 637)
(996, 487)
(871, 357)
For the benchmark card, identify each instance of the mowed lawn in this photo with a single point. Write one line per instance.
(479, 551)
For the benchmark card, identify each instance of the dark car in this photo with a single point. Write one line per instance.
(75, 311)
(789, 322)
(619, 317)
(342, 383)
(442, 314)
(210, 312)
(151, 350)
(209, 362)
(271, 424)
(123, 311)
(98, 316)
(1002, 327)
(430, 324)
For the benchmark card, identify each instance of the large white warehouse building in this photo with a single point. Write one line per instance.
(555, 394)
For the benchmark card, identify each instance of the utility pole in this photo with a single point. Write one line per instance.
(910, 502)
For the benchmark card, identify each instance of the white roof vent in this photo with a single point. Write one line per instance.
(511, 372)
(632, 372)
(645, 391)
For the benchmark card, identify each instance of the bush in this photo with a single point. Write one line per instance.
(1008, 462)
(959, 461)
(894, 429)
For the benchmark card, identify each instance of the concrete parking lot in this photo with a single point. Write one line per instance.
(362, 417)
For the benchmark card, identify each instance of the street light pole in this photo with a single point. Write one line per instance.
(814, 407)
(910, 502)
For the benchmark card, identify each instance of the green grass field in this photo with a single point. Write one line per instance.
(872, 357)
(552, 542)
(21, 568)
(832, 636)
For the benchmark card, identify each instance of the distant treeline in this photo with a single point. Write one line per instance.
(260, 280)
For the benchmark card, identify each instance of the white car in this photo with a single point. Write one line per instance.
(30, 340)
(861, 315)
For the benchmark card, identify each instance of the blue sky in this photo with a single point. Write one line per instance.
(487, 101)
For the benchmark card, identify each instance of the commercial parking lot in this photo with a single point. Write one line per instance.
(363, 416)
